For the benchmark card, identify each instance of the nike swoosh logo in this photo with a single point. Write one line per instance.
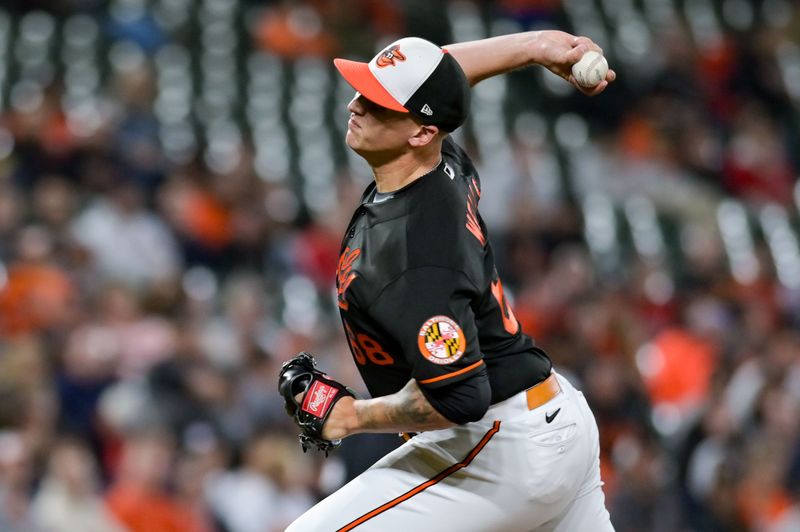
(550, 417)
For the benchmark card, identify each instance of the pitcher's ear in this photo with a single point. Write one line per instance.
(424, 135)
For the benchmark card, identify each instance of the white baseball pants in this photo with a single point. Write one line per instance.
(512, 471)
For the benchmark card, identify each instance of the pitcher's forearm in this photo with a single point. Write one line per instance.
(485, 58)
(555, 50)
(405, 411)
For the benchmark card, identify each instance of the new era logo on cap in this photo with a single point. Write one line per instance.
(413, 75)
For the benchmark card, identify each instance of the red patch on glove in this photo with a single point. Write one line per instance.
(319, 398)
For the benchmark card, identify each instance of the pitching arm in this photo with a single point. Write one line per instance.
(555, 50)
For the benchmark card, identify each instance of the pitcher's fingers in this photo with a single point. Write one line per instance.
(575, 54)
(588, 43)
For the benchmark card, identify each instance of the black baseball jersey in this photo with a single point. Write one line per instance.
(419, 294)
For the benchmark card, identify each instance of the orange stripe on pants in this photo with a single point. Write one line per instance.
(427, 484)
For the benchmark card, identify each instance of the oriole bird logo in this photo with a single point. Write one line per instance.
(389, 56)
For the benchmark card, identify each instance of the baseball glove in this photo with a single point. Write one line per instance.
(319, 393)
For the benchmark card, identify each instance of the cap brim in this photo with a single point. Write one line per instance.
(359, 76)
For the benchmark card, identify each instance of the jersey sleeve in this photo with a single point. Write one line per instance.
(427, 312)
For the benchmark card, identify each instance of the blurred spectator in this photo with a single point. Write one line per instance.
(198, 217)
(16, 477)
(268, 492)
(127, 242)
(68, 499)
(139, 497)
(38, 293)
(294, 30)
(757, 166)
(54, 202)
(139, 340)
(640, 503)
(12, 210)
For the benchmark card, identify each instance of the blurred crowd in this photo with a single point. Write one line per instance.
(147, 301)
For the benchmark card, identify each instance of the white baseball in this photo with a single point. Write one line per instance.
(590, 70)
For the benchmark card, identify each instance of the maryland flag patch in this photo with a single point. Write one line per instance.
(441, 340)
